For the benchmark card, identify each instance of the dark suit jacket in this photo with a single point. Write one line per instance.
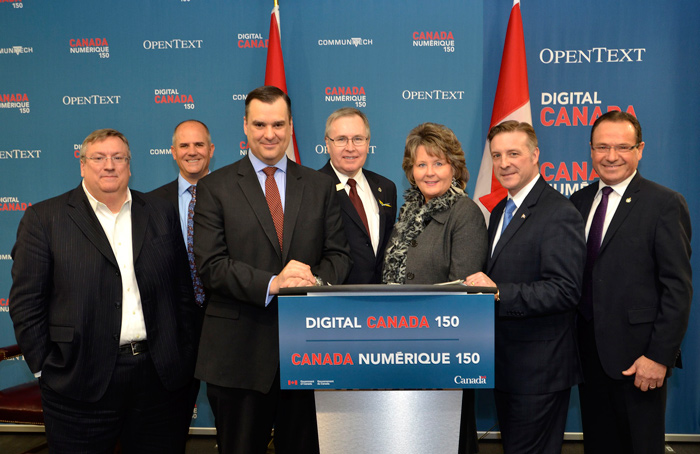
(66, 293)
(642, 281)
(367, 267)
(168, 192)
(538, 267)
(237, 254)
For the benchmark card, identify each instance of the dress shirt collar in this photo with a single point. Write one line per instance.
(182, 185)
(520, 196)
(96, 204)
(618, 188)
(258, 165)
(359, 178)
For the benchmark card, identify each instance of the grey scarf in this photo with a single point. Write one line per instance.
(414, 216)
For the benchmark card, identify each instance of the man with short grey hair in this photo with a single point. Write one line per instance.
(367, 200)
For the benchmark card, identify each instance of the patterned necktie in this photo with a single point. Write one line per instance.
(357, 202)
(196, 281)
(272, 195)
(595, 237)
(508, 214)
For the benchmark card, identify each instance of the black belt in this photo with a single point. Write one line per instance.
(133, 348)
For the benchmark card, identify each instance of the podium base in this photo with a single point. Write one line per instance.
(376, 422)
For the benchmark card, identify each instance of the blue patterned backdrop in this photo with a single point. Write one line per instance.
(68, 68)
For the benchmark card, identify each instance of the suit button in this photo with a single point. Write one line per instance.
(118, 304)
(414, 243)
(115, 336)
(410, 276)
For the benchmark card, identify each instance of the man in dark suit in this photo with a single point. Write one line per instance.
(192, 150)
(102, 305)
(537, 256)
(636, 296)
(261, 224)
(367, 200)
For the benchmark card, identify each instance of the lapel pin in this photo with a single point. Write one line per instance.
(379, 189)
(384, 204)
(522, 216)
(628, 200)
(339, 187)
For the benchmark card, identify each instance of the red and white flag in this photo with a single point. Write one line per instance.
(512, 103)
(274, 71)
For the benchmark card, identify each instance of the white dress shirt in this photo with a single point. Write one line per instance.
(117, 227)
(518, 200)
(614, 199)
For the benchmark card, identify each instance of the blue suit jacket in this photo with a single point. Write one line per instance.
(538, 267)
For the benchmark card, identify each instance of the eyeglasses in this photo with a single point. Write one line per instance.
(343, 141)
(617, 148)
(116, 160)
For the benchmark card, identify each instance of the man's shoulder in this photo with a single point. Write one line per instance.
(378, 179)
(584, 192)
(226, 173)
(52, 203)
(658, 190)
(313, 176)
(554, 197)
(327, 169)
(168, 189)
(153, 203)
(556, 205)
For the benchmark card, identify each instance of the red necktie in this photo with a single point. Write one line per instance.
(272, 195)
(355, 199)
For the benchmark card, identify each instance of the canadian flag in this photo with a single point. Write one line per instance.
(274, 71)
(512, 102)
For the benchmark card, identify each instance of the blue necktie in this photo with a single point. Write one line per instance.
(196, 281)
(508, 214)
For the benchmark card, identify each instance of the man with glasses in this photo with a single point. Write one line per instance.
(367, 200)
(636, 297)
(103, 309)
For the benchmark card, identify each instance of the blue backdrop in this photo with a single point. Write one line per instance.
(143, 66)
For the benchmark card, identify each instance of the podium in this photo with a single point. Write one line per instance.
(388, 363)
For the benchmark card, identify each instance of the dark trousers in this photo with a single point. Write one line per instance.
(468, 438)
(189, 408)
(532, 423)
(244, 420)
(136, 409)
(617, 417)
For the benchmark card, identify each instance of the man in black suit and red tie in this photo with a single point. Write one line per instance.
(537, 258)
(261, 224)
(102, 305)
(367, 200)
(192, 150)
(636, 297)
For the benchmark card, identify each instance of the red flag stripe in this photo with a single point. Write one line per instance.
(512, 91)
(274, 72)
